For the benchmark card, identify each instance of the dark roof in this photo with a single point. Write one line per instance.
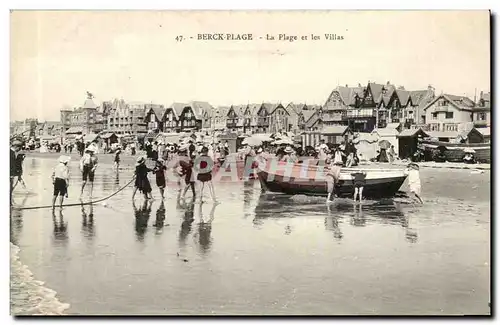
(412, 132)
(417, 96)
(462, 101)
(376, 90)
(295, 108)
(199, 108)
(158, 110)
(403, 95)
(307, 115)
(178, 108)
(348, 94)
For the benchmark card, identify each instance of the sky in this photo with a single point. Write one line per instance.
(56, 56)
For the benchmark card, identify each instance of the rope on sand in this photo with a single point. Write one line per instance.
(80, 203)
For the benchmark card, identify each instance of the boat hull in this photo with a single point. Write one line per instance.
(379, 183)
(455, 151)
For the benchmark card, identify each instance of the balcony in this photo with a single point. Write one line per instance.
(438, 109)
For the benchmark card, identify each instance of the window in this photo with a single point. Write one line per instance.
(434, 116)
(449, 115)
(481, 116)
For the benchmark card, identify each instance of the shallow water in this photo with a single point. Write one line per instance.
(253, 253)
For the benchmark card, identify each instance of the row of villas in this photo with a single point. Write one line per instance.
(196, 115)
(374, 106)
(362, 108)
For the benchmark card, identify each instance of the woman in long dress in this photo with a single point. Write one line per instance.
(141, 179)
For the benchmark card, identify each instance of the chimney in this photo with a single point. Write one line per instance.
(388, 83)
(359, 85)
(481, 95)
(346, 85)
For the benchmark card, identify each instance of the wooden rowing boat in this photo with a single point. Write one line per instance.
(311, 180)
(455, 151)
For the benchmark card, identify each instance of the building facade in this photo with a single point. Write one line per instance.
(127, 118)
(154, 117)
(83, 120)
(446, 112)
(278, 118)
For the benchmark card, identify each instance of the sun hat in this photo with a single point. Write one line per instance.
(140, 161)
(414, 166)
(182, 147)
(288, 149)
(64, 159)
(259, 150)
(17, 143)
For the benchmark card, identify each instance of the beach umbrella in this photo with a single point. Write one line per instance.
(263, 137)
(384, 144)
(469, 150)
(283, 141)
(252, 141)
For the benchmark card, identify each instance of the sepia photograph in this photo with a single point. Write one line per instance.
(233, 163)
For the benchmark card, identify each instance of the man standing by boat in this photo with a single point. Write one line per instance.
(333, 173)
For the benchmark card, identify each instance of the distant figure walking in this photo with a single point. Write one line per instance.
(117, 159)
(141, 179)
(60, 179)
(88, 165)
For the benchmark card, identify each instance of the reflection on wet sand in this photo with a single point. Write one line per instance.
(16, 220)
(142, 216)
(187, 221)
(160, 218)
(359, 214)
(205, 228)
(88, 229)
(60, 227)
(332, 224)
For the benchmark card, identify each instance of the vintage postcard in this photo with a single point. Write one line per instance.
(250, 162)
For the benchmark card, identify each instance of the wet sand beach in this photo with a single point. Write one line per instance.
(253, 254)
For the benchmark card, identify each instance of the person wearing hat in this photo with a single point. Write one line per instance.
(413, 173)
(141, 179)
(161, 181)
(19, 170)
(204, 166)
(14, 150)
(60, 179)
(289, 155)
(88, 165)
(184, 167)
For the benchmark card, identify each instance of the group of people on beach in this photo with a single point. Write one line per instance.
(192, 162)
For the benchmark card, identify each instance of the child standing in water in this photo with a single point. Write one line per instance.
(159, 171)
(60, 179)
(359, 180)
(413, 172)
